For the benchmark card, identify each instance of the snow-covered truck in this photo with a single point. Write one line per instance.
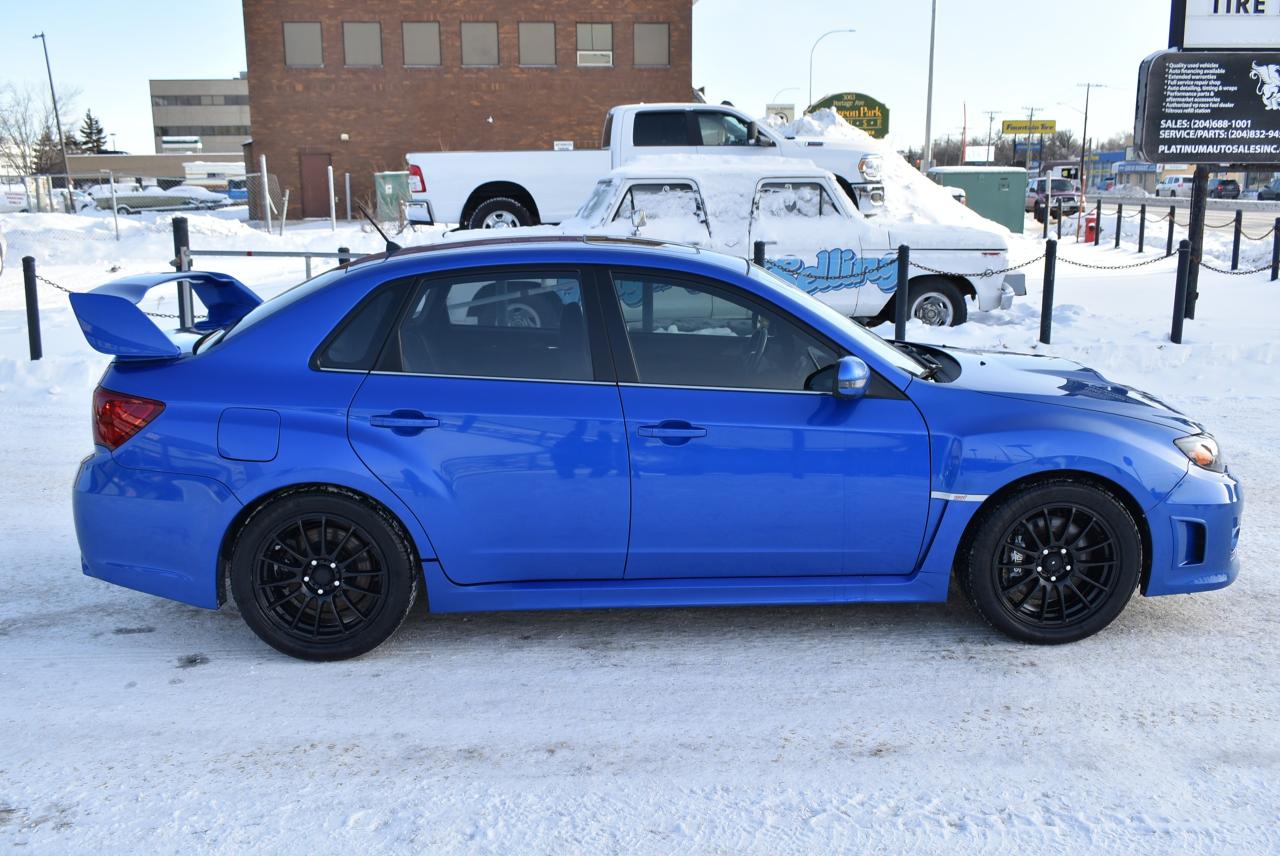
(814, 234)
(487, 190)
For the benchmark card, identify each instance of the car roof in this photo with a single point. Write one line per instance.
(582, 249)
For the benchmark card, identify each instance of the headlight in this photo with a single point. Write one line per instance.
(869, 166)
(1203, 451)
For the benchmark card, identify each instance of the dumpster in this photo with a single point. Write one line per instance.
(998, 193)
(392, 190)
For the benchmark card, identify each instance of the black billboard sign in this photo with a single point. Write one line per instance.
(1209, 107)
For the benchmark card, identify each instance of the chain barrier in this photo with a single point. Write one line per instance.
(986, 273)
(65, 290)
(1143, 263)
(1262, 237)
(1244, 272)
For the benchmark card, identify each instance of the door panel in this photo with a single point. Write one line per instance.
(520, 480)
(738, 467)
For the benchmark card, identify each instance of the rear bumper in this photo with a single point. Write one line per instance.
(420, 211)
(1194, 535)
(154, 532)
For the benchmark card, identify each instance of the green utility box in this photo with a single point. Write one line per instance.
(392, 189)
(998, 193)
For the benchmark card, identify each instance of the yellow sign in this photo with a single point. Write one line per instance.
(1022, 126)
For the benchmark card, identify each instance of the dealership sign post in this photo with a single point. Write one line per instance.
(1213, 98)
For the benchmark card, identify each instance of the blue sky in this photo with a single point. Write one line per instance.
(991, 55)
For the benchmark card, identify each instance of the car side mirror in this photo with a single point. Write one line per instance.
(852, 377)
(638, 220)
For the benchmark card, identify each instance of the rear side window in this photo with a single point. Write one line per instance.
(661, 128)
(356, 342)
(529, 325)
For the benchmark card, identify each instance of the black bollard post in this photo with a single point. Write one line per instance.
(1045, 233)
(757, 253)
(1180, 292)
(1119, 221)
(901, 300)
(1142, 227)
(1046, 299)
(33, 307)
(1097, 223)
(1235, 240)
(1275, 250)
(182, 262)
(345, 257)
(1059, 218)
(1168, 244)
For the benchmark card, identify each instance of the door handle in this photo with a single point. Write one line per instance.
(672, 430)
(406, 423)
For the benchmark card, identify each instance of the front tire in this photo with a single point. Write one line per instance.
(937, 302)
(320, 575)
(1053, 563)
(500, 213)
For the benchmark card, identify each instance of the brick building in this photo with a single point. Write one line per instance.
(357, 85)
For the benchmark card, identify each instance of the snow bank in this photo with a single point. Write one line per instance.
(909, 195)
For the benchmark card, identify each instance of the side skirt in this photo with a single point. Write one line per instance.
(445, 596)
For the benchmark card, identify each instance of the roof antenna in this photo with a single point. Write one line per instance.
(392, 246)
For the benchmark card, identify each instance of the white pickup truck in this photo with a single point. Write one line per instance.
(490, 190)
(814, 235)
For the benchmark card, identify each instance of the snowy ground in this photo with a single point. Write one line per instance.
(136, 724)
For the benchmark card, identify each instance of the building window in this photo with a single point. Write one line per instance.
(303, 47)
(537, 44)
(595, 44)
(421, 43)
(653, 44)
(479, 43)
(362, 43)
(202, 130)
(198, 100)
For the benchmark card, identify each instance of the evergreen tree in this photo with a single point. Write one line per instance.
(92, 136)
(48, 157)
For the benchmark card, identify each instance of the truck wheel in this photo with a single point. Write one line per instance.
(937, 302)
(500, 213)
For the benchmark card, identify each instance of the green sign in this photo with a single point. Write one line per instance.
(860, 111)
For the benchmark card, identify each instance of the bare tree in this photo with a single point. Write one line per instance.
(25, 114)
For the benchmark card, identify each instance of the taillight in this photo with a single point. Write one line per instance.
(117, 417)
(417, 181)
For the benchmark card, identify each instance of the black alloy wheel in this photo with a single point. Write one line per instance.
(1054, 563)
(322, 577)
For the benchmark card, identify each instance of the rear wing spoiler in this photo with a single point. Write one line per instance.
(111, 321)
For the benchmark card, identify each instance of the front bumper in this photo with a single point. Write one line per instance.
(1195, 532)
(155, 532)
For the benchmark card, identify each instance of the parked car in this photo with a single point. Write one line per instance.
(1063, 192)
(376, 430)
(238, 189)
(1270, 193)
(488, 190)
(1224, 188)
(1174, 185)
(199, 196)
(16, 198)
(814, 234)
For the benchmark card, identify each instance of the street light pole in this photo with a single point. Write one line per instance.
(927, 160)
(811, 50)
(57, 119)
(991, 151)
(1031, 117)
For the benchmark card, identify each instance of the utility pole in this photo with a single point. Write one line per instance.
(1031, 117)
(927, 160)
(1084, 148)
(991, 151)
(57, 118)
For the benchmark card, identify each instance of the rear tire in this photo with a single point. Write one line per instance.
(320, 575)
(500, 213)
(1054, 562)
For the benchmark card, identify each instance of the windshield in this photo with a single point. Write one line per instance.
(593, 209)
(864, 337)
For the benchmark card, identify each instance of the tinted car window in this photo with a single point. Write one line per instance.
(661, 128)
(690, 333)
(525, 325)
(358, 339)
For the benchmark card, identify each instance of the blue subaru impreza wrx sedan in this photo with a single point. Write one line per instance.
(566, 423)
